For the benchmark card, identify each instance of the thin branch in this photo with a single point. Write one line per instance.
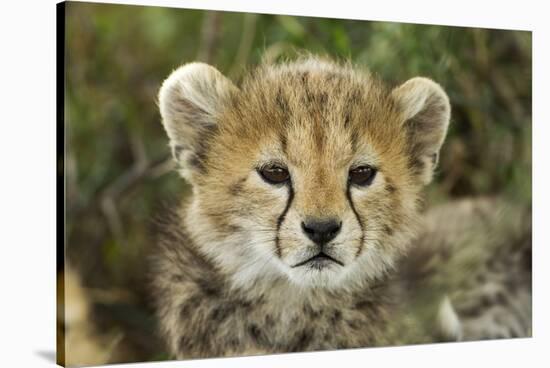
(245, 45)
(210, 32)
(115, 192)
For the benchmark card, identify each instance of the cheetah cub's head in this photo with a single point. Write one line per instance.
(309, 171)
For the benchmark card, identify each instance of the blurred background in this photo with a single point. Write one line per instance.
(119, 175)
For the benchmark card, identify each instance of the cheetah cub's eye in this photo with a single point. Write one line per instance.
(362, 175)
(274, 174)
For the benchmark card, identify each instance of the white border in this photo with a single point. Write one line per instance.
(27, 199)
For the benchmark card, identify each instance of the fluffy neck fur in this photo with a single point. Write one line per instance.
(205, 313)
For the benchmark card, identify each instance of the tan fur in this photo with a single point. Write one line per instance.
(225, 275)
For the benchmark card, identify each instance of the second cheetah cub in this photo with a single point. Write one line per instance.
(304, 229)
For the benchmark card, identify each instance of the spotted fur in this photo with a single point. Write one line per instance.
(231, 273)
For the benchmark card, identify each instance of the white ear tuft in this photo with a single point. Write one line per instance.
(426, 113)
(190, 101)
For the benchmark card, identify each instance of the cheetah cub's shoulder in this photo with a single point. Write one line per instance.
(306, 180)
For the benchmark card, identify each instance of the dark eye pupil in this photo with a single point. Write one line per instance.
(362, 175)
(274, 174)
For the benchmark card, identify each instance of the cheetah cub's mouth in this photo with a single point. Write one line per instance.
(319, 261)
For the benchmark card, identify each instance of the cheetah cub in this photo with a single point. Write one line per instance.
(304, 230)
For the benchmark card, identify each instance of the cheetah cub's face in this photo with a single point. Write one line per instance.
(308, 171)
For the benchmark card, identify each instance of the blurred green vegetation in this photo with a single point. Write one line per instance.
(119, 174)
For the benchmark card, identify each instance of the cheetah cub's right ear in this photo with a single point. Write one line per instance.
(426, 113)
(190, 101)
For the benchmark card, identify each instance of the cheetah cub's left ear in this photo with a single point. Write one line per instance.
(426, 114)
(190, 101)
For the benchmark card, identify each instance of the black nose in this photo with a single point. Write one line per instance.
(321, 231)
